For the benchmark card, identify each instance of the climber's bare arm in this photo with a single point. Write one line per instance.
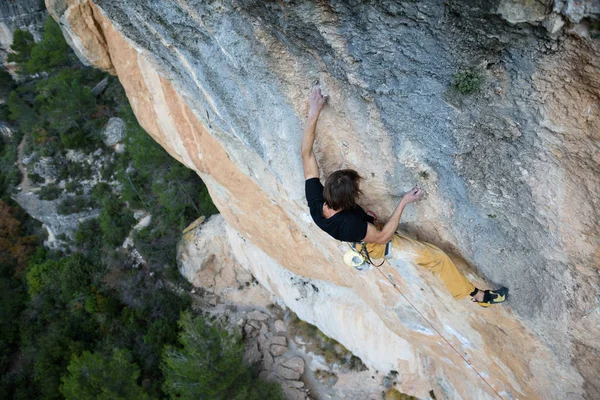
(309, 161)
(385, 234)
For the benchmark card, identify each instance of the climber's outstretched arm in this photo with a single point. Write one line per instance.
(309, 161)
(385, 234)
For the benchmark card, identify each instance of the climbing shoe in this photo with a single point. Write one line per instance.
(493, 297)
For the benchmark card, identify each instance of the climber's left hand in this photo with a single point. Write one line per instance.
(316, 101)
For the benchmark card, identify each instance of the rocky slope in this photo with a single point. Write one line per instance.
(512, 172)
(60, 221)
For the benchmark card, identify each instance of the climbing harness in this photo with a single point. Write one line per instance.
(358, 256)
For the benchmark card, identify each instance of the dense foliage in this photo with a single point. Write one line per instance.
(209, 365)
(93, 376)
(21, 47)
(88, 321)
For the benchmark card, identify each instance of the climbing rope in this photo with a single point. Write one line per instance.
(391, 280)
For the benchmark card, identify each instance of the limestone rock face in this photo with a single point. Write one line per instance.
(206, 260)
(512, 172)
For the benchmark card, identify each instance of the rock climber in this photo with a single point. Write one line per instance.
(333, 208)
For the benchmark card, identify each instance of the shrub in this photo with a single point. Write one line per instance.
(468, 81)
(49, 192)
(88, 238)
(35, 178)
(115, 221)
(73, 187)
(74, 204)
(108, 170)
(74, 139)
(101, 191)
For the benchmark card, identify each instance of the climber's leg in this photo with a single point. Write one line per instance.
(429, 256)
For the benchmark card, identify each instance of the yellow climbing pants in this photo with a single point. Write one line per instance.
(430, 257)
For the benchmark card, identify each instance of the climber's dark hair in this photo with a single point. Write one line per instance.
(342, 189)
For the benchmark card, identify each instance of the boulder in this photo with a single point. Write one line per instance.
(249, 329)
(267, 361)
(280, 340)
(518, 11)
(263, 328)
(258, 315)
(295, 364)
(277, 350)
(292, 393)
(553, 23)
(263, 342)
(100, 87)
(113, 132)
(280, 326)
(6, 130)
(287, 373)
(252, 354)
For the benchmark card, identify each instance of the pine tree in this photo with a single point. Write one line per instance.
(21, 47)
(92, 376)
(51, 52)
(209, 366)
(21, 112)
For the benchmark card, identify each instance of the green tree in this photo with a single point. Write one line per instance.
(92, 376)
(9, 174)
(42, 275)
(51, 52)
(21, 47)
(7, 84)
(76, 275)
(21, 112)
(209, 365)
(115, 221)
(15, 247)
(65, 103)
(13, 296)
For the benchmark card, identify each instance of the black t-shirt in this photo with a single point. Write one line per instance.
(346, 225)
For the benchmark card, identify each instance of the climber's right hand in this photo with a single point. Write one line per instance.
(415, 194)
